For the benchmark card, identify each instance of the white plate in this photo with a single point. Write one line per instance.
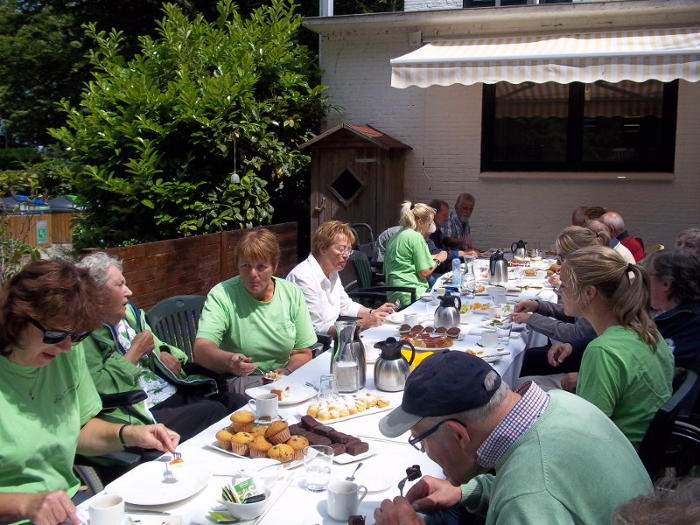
(487, 324)
(215, 446)
(344, 459)
(373, 410)
(296, 393)
(143, 485)
(374, 479)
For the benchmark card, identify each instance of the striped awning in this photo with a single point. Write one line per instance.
(662, 54)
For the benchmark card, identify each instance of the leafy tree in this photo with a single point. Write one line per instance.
(190, 134)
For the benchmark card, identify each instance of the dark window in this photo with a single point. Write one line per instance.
(504, 3)
(346, 186)
(626, 126)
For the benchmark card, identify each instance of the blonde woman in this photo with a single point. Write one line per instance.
(572, 238)
(407, 261)
(626, 371)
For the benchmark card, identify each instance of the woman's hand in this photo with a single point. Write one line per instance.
(141, 345)
(157, 436)
(397, 512)
(170, 361)
(526, 306)
(554, 280)
(440, 256)
(431, 494)
(569, 381)
(558, 353)
(48, 508)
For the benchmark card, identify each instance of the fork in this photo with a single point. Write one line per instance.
(168, 476)
(176, 455)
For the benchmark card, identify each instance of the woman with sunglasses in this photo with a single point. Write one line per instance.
(124, 354)
(48, 402)
(317, 276)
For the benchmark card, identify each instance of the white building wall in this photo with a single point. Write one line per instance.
(443, 125)
(423, 5)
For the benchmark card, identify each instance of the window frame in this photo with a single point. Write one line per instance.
(574, 138)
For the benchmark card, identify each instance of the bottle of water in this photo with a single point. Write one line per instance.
(469, 280)
(456, 273)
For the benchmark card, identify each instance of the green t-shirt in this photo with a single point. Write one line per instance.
(626, 379)
(572, 466)
(265, 331)
(41, 413)
(406, 254)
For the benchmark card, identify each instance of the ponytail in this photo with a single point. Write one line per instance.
(415, 216)
(406, 218)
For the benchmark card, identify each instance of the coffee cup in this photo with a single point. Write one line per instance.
(344, 497)
(265, 406)
(411, 319)
(489, 338)
(106, 510)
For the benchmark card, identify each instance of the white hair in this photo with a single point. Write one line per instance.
(98, 264)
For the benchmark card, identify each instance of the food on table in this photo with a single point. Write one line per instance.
(404, 328)
(281, 452)
(242, 421)
(340, 442)
(356, 519)
(259, 430)
(176, 461)
(437, 342)
(259, 447)
(298, 444)
(479, 288)
(271, 377)
(530, 272)
(472, 351)
(428, 330)
(277, 432)
(224, 438)
(441, 330)
(342, 406)
(453, 332)
(240, 441)
(281, 393)
(480, 307)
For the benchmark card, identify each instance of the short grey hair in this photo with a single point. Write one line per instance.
(97, 264)
(465, 197)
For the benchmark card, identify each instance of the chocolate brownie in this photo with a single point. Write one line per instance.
(356, 519)
(295, 429)
(315, 439)
(338, 449)
(309, 422)
(323, 430)
(358, 447)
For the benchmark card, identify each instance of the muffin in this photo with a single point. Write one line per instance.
(277, 432)
(223, 436)
(453, 332)
(298, 444)
(281, 452)
(240, 441)
(259, 447)
(242, 421)
(404, 328)
(258, 430)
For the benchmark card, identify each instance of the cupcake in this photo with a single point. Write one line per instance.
(258, 430)
(281, 452)
(453, 332)
(277, 432)
(298, 444)
(240, 441)
(259, 447)
(223, 436)
(242, 421)
(404, 328)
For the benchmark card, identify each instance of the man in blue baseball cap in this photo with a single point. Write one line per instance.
(514, 457)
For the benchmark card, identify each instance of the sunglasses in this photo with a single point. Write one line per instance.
(52, 337)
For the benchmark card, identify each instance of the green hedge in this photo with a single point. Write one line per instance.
(14, 158)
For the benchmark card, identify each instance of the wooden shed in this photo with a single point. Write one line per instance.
(357, 175)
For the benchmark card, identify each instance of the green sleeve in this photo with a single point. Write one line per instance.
(422, 260)
(476, 494)
(305, 334)
(215, 319)
(88, 398)
(600, 379)
(109, 370)
(533, 509)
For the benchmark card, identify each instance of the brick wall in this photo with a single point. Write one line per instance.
(192, 265)
(443, 126)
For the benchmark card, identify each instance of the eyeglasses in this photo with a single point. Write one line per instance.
(52, 337)
(343, 250)
(414, 441)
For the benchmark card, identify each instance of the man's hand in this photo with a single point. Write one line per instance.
(48, 508)
(387, 307)
(172, 362)
(141, 345)
(157, 436)
(431, 494)
(526, 306)
(558, 353)
(397, 512)
(568, 382)
(520, 317)
(440, 256)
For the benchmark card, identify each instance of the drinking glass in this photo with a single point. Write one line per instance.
(327, 386)
(503, 333)
(318, 460)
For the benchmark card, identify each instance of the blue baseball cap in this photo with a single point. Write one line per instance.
(445, 383)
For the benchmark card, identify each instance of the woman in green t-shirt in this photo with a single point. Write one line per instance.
(407, 260)
(47, 399)
(626, 370)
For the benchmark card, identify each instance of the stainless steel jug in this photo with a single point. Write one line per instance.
(348, 363)
(498, 269)
(391, 368)
(518, 248)
(447, 314)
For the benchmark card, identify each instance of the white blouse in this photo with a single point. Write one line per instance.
(325, 296)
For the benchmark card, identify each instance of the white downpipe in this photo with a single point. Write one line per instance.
(325, 7)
